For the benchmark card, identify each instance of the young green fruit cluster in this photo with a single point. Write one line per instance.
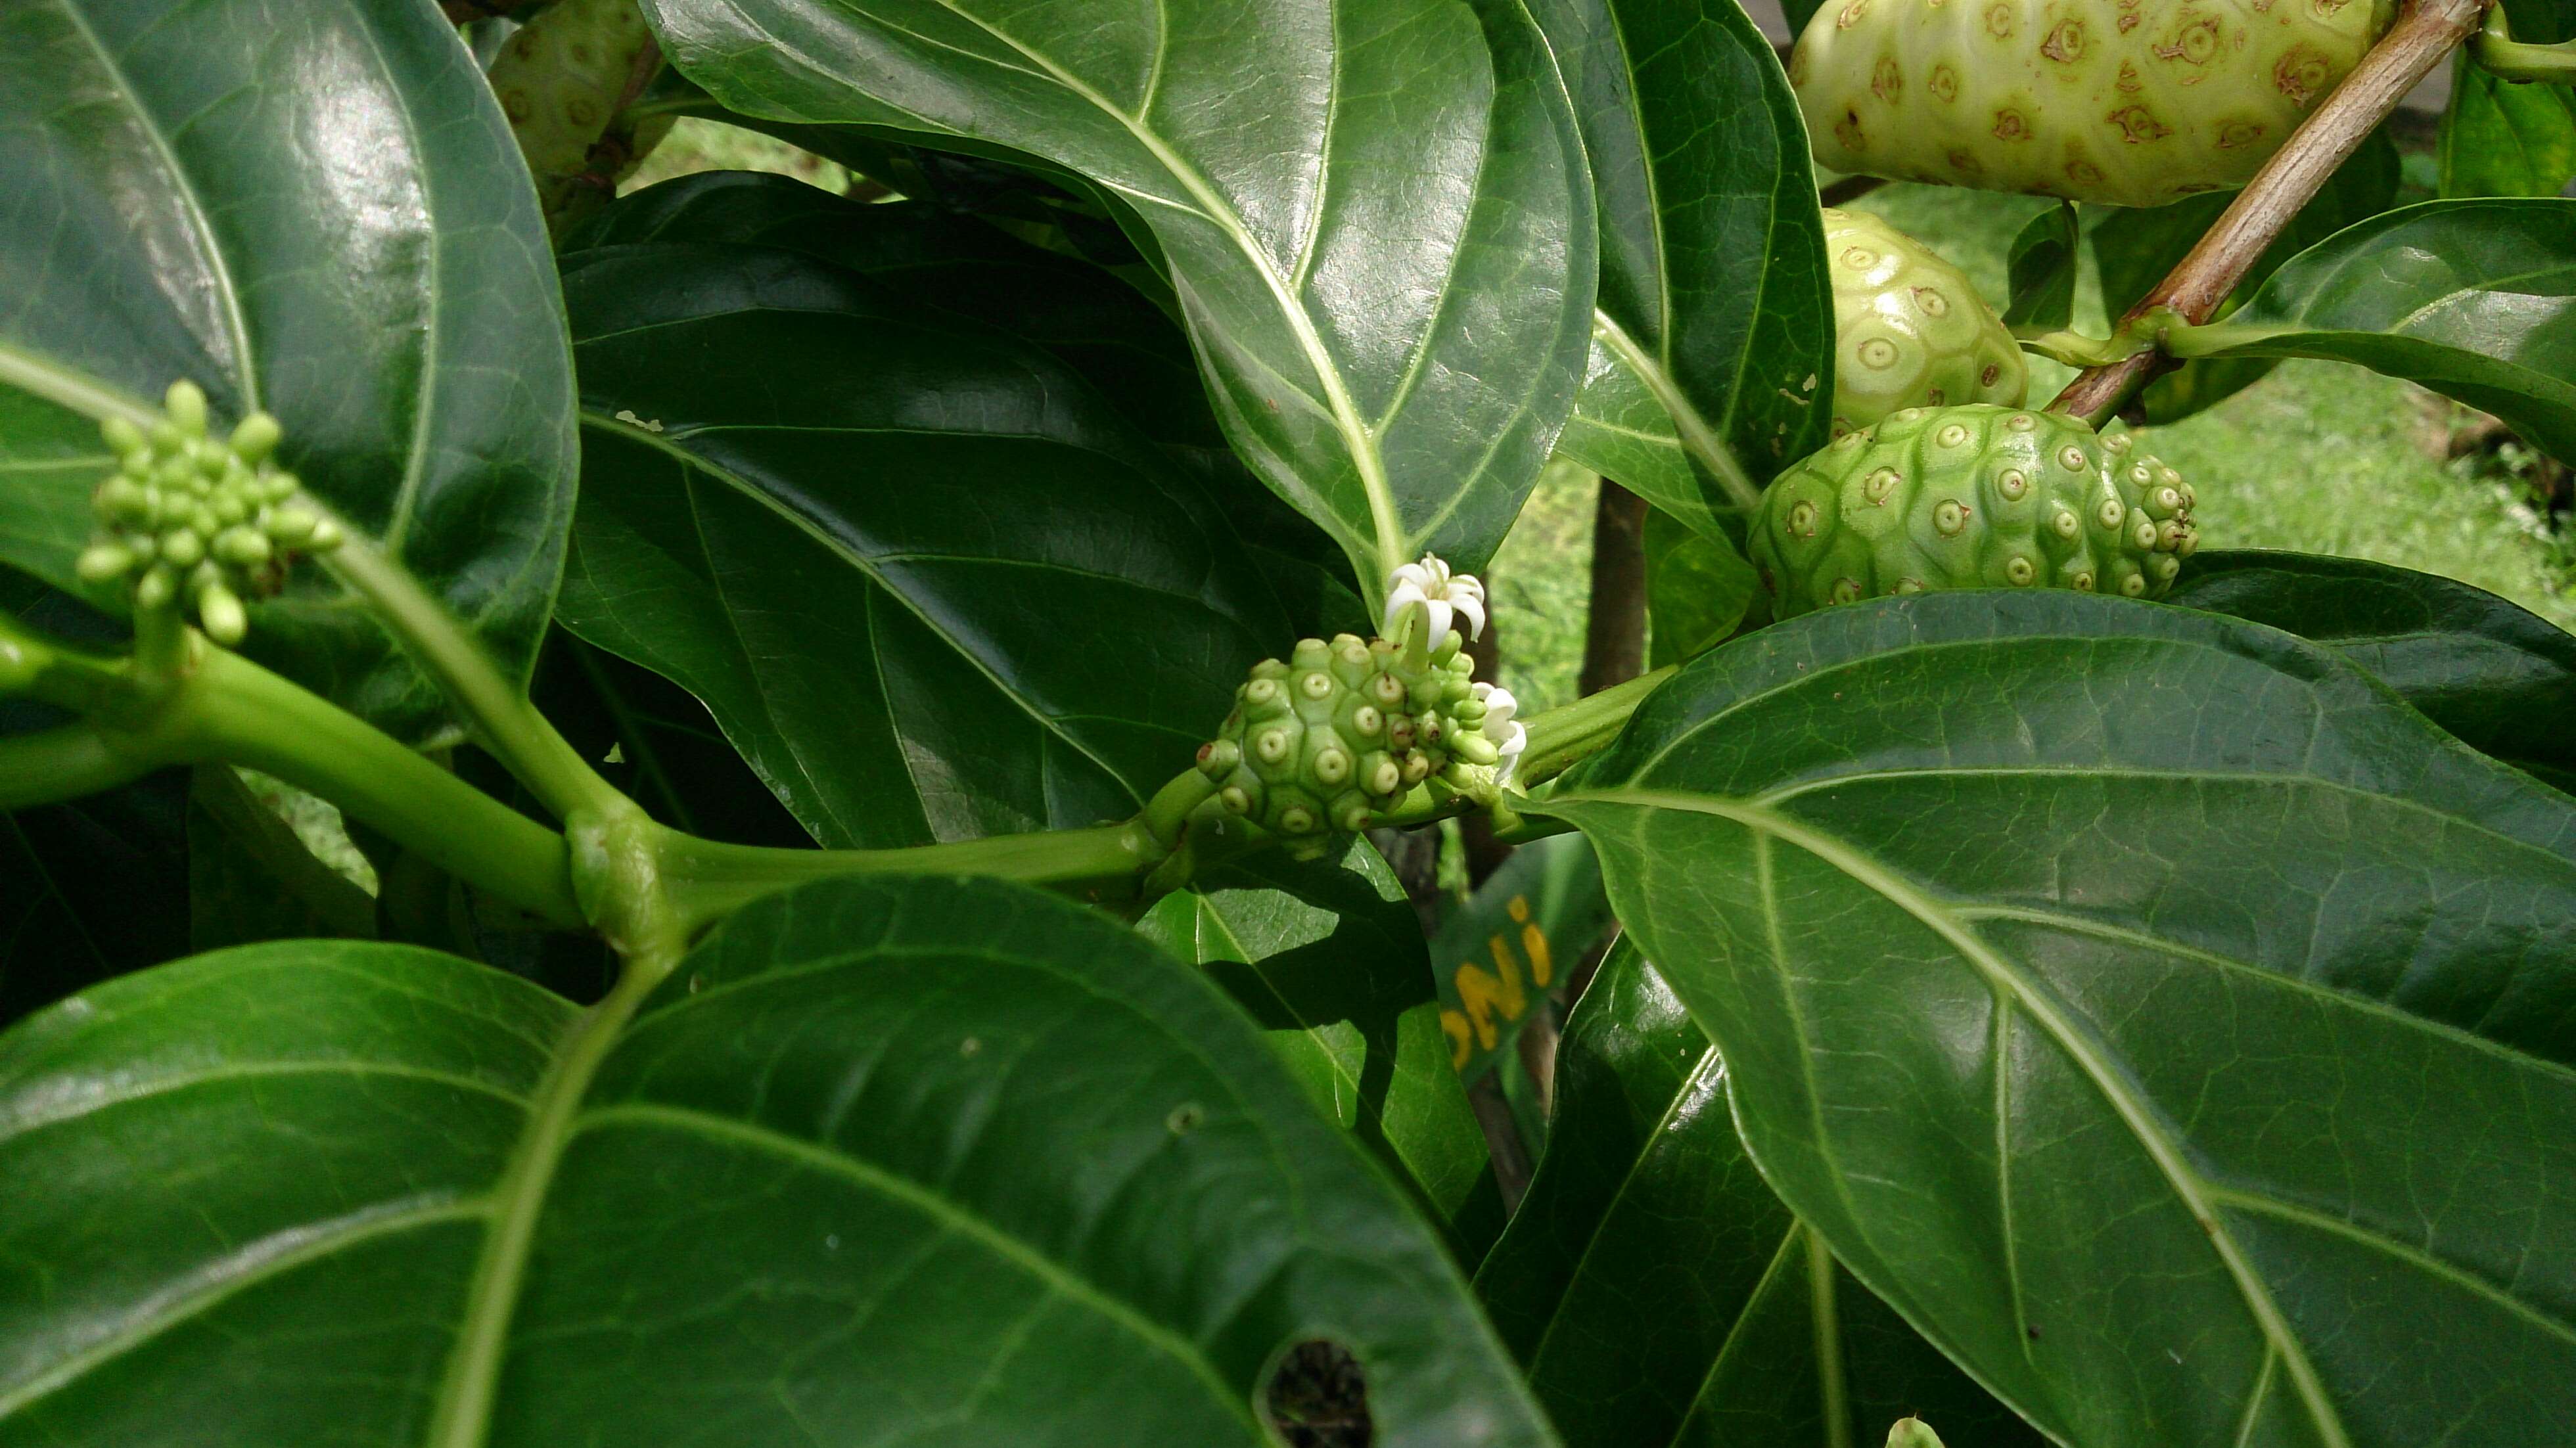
(564, 80)
(1339, 733)
(1909, 329)
(1971, 497)
(2121, 102)
(200, 522)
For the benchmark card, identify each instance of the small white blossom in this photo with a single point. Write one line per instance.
(1440, 594)
(1509, 737)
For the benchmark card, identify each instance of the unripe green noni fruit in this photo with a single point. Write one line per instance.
(564, 80)
(1909, 329)
(2121, 102)
(1340, 732)
(198, 521)
(1971, 497)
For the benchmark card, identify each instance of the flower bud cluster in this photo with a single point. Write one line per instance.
(200, 522)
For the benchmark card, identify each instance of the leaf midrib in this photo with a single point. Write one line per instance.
(2186, 1184)
(1357, 436)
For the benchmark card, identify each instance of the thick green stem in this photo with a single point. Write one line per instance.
(498, 710)
(2496, 52)
(236, 712)
(706, 880)
(182, 701)
(1559, 737)
(61, 763)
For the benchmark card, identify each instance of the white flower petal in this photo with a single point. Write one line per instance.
(1471, 607)
(1500, 706)
(1514, 740)
(1438, 611)
(1403, 595)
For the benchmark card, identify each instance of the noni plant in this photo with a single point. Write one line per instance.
(936, 814)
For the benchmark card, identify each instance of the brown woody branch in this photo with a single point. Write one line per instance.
(2201, 281)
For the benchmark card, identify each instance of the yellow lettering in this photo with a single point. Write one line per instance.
(1534, 940)
(1462, 1041)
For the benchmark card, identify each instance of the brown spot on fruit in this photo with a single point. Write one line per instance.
(2302, 73)
(1851, 14)
(1848, 131)
(2011, 125)
(1993, 371)
(1944, 84)
(1798, 66)
(1999, 20)
(1885, 81)
(2065, 43)
(2138, 125)
(2127, 22)
(1965, 163)
(1931, 301)
(2196, 45)
(2083, 173)
(2128, 82)
(2232, 134)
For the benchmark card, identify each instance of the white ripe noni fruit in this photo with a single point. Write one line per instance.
(2121, 102)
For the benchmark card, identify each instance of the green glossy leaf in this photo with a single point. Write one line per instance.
(2134, 249)
(2542, 22)
(943, 1161)
(91, 889)
(2474, 299)
(314, 208)
(1122, 344)
(1698, 588)
(931, 585)
(2499, 677)
(1656, 1290)
(1713, 287)
(2043, 265)
(1619, 430)
(2503, 139)
(1328, 956)
(1374, 211)
(2149, 1005)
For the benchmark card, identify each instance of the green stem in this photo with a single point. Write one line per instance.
(706, 880)
(2496, 52)
(236, 712)
(61, 763)
(66, 387)
(503, 719)
(1560, 737)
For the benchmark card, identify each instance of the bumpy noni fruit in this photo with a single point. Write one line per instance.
(198, 522)
(1971, 497)
(2122, 102)
(1342, 730)
(1909, 330)
(565, 80)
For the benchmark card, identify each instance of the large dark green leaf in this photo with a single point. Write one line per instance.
(1121, 343)
(2499, 677)
(2503, 139)
(1714, 301)
(930, 583)
(1328, 956)
(2043, 267)
(2474, 299)
(92, 889)
(308, 206)
(1374, 211)
(1656, 1290)
(1698, 589)
(938, 1161)
(2148, 1004)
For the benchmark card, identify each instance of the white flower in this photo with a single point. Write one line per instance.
(1515, 738)
(1509, 737)
(1439, 593)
